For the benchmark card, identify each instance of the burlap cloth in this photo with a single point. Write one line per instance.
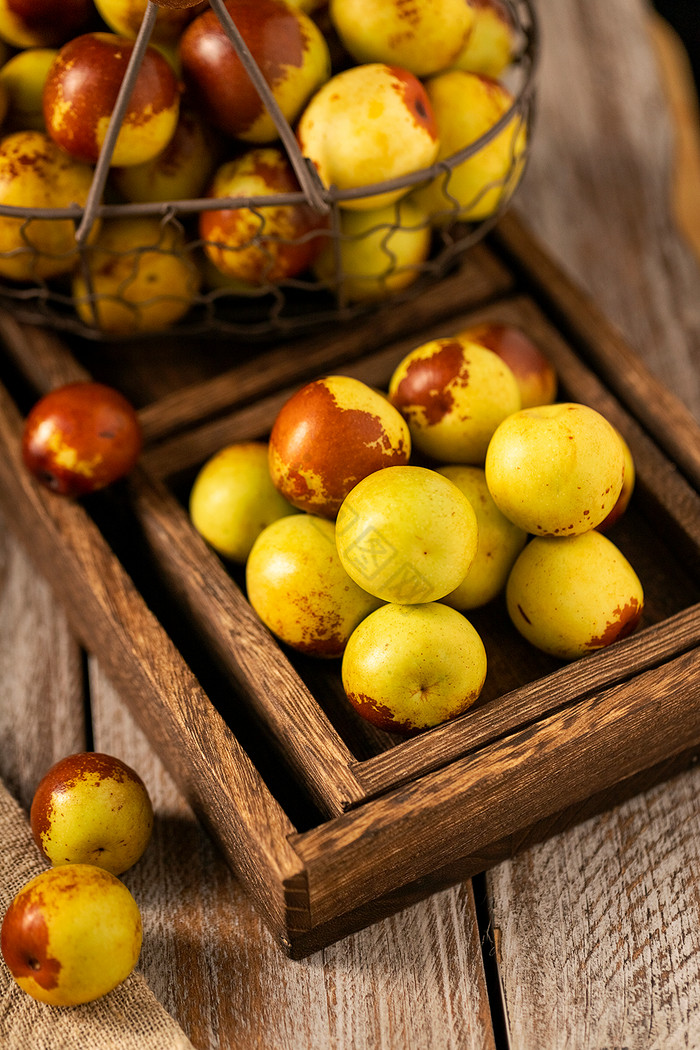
(128, 1018)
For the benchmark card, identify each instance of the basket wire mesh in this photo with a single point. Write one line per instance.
(269, 307)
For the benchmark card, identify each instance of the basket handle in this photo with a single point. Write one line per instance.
(309, 181)
(101, 172)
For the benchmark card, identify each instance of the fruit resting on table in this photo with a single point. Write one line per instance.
(406, 522)
(91, 808)
(81, 437)
(71, 934)
(368, 95)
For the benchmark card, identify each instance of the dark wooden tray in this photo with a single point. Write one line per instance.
(329, 823)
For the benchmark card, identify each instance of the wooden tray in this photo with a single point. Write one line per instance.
(329, 823)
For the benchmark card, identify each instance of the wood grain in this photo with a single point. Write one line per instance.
(597, 190)
(42, 713)
(43, 359)
(676, 75)
(479, 276)
(503, 786)
(596, 929)
(245, 649)
(412, 981)
(110, 617)
(525, 706)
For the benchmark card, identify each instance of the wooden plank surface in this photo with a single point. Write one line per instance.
(413, 981)
(42, 715)
(596, 931)
(379, 987)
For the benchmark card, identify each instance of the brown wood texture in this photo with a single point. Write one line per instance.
(244, 647)
(338, 873)
(111, 618)
(602, 920)
(596, 929)
(207, 954)
(42, 716)
(240, 991)
(524, 706)
(214, 600)
(501, 785)
(293, 361)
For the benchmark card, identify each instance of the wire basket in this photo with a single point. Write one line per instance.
(271, 305)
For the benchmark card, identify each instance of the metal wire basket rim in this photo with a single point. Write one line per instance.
(295, 305)
(330, 195)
